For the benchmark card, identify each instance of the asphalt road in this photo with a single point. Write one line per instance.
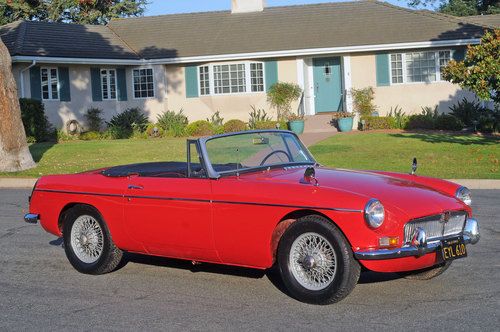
(39, 290)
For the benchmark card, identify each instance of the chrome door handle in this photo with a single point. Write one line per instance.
(131, 186)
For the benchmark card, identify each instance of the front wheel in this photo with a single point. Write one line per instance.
(87, 242)
(316, 262)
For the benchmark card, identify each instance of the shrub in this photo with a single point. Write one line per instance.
(271, 125)
(123, 125)
(467, 111)
(115, 132)
(173, 124)
(281, 95)
(257, 115)
(91, 136)
(35, 122)
(217, 122)
(234, 125)
(94, 119)
(448, 122)
(400, 118)
(380, 122)
(199, 128)
(420, 121)
(363, 101)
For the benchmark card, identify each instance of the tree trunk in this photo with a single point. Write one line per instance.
(14, 152)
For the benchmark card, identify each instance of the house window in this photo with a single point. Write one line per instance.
(108, 84)
(204, 80)
(143, 83)
(231, 78)
(257, 77)
(417, 67)
(50, 83)
(397, 68)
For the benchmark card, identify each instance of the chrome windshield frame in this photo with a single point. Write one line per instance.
(213, 174)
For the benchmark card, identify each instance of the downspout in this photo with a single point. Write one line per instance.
(22, 77)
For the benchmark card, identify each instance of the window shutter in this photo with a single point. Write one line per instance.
(121, 84)
(35, 83)
(95, 80)
(271, 73)
(382, 64)
(64, 84)
(459, 54)
(191, 81)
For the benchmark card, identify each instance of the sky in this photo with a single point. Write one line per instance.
(160, 7)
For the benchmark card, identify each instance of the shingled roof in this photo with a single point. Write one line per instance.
(64, 40)
(487, 20)
(286, 28)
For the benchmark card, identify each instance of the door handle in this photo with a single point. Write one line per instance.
(131, 186)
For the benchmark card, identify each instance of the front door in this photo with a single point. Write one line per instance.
(328, 85)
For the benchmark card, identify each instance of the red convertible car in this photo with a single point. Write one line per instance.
(259, 199)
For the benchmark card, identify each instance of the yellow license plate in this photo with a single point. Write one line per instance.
(453, 248)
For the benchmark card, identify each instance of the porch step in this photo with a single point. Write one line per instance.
(319, 123)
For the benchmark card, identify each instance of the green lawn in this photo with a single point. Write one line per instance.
(439, 155)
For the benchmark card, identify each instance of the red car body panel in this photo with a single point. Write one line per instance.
(232, 220)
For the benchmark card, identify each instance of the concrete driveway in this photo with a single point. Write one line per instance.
(39, 290)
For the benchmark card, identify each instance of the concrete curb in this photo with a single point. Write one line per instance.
(23, 183)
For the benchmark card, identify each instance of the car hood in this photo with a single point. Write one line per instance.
(408, 197)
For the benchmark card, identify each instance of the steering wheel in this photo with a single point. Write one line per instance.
(274, 152)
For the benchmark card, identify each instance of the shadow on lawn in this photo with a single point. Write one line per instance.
(463, 139)
(37, 150)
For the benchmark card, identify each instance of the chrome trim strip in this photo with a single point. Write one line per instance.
(31, 218)
(202, 200)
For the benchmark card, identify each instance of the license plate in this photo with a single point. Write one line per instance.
(453, 249)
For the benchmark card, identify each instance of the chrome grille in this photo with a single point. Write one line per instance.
(436, 227)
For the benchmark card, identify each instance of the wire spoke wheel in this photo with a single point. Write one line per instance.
(313, 261)
(87, 239)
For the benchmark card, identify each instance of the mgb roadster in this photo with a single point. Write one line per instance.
(258, 199)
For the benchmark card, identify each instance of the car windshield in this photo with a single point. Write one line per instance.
(254, 150)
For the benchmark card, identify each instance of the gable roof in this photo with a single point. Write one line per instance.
(486, 20)
(276, 29)
(64, 40)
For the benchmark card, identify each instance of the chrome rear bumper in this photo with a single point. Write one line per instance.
(31, 218)
(419, 245)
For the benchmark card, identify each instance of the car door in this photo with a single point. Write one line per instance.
(171, 216)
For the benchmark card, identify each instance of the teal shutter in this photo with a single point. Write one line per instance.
(458, 54)
(95, 81)
(271, 73)
(64, 84)
(122, 84)
(191, 81)
(35, 83)
(382, 64)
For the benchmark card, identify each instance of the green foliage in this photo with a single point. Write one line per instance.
(70, 11)
(363, 101)
(173, 124)
(400, 117)
(234, 126)
(467, 111)
(124, 124)
(281, 95)
(35, 122)
(448, 122)
(200, 128)
(94, 119)
(426, 120)
(269, 124)
(480, 70)
(379, 122)
(257, 115)
(91, 136)
(460, 7)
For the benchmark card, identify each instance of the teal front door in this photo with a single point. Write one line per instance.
(327, 85)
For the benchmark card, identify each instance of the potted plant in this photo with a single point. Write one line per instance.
(344, 120)
(281, 95)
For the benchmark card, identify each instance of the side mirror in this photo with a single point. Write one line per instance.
(414, 166)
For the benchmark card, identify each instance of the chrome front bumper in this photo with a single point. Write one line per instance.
(31, 218)
(419, 245)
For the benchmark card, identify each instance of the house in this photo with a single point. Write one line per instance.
(226, 61)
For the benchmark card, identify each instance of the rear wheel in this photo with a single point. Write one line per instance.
(426, 274)
(87, 242)
(316, 262)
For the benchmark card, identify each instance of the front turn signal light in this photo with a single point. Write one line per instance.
(388, 241)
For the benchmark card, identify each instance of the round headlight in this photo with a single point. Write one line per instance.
(464, 195)
(374, 213)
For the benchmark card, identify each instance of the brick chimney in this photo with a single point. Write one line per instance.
(247, 6)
